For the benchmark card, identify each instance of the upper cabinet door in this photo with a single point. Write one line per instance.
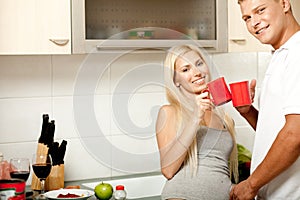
(131, 24)
(239, 39)
(35, 27)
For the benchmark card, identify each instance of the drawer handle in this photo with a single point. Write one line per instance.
(239, 41)
(60, 42)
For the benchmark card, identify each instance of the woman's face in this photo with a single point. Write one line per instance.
(191, 73)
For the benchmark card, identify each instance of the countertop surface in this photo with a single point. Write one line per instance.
(81, 182)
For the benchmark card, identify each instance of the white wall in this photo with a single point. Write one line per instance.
(65, 86)
(296, 9)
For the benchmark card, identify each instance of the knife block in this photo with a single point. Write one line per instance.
(54, 181)
(56, 178)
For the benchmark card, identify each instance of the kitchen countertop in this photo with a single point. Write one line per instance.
(94, 198)
(146, 198)
(81, 182)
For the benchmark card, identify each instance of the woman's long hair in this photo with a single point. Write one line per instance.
(185, 107)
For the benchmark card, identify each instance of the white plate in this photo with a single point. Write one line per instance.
(84, 194)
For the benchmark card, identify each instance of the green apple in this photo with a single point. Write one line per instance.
(103, 191)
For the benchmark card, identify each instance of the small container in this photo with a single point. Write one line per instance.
(4, 168)
(12, 189)
(119, 193)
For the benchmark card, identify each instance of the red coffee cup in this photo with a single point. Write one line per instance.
(219, 91)
(240, 93)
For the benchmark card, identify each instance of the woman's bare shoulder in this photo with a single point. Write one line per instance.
(166, 123)
(167, 110)
(166, 114)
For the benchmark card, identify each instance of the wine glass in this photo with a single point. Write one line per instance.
(19, 168)
(41, 165)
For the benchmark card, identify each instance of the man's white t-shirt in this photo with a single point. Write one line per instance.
(280, 96)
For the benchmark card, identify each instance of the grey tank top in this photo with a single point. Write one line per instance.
(212, 179)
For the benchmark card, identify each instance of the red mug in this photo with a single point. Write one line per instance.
(240, 93)
(219, 91)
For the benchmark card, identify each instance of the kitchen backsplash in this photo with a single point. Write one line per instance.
(103, 104)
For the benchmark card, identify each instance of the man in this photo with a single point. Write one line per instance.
(275, 168)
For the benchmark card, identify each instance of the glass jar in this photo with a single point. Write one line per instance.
(119, 193)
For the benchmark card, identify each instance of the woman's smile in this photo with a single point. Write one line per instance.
(199, 81)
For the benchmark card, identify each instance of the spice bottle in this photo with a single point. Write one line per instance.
(119, 193)
(4, 168)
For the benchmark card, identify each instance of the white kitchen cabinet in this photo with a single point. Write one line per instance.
(239, 39)
(35, 27)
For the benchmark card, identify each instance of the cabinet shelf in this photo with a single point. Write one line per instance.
(151, 43)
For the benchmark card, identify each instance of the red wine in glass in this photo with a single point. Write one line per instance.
(42, 170)
(19, 168)
(41, 165)
(20, 175)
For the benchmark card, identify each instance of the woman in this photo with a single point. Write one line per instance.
(195, 139)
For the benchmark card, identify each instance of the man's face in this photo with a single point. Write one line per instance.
(265, 20)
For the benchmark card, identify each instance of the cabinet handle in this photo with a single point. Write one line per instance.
(239, 41)
(60, 42)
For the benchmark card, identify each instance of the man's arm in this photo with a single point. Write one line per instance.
(251, 116)
(249, 112)
(283, 153)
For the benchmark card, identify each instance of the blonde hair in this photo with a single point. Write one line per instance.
(184, 108)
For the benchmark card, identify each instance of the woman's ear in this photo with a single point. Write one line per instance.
(177, 84)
